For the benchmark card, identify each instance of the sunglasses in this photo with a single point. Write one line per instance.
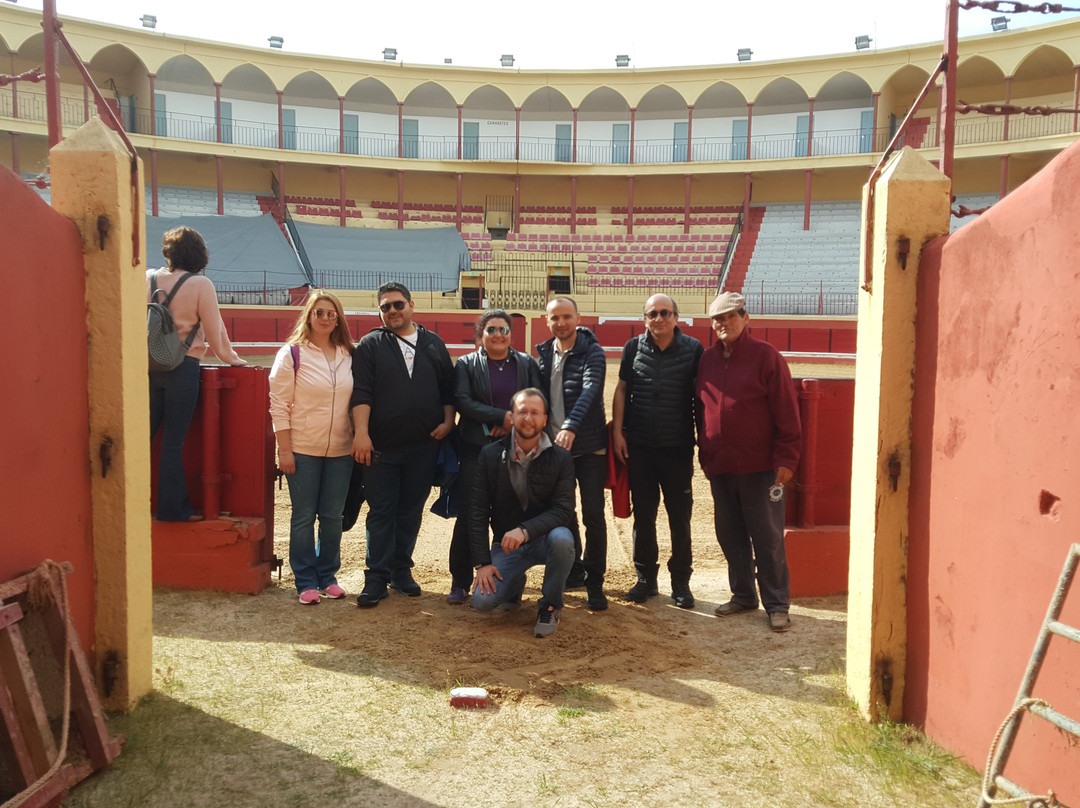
(492, 330)
(663, 314)
(397, 305)
(320, 314)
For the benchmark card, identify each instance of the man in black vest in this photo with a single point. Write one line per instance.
(402, 406)
(653, 419)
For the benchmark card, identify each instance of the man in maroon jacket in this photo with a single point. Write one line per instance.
(749, 438)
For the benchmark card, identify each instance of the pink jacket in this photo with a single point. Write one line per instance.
(313, 400)
(196, 302)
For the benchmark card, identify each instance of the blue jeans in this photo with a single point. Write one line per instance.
(396, 489)
(317, 488)
(173, 396)
(750, 530)
(652, 470)
(554, 551)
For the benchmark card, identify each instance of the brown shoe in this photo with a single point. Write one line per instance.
(779, 621)
(731, 608)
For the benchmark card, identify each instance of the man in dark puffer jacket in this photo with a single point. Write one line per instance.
(573, 368)
(653, 433)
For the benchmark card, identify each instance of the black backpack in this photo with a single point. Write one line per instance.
(166, 351)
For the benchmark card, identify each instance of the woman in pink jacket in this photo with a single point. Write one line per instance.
(174, 393)
(310, 386)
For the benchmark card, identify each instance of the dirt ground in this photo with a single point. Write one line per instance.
(263, 702)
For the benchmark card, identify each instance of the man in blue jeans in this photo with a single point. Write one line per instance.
(402, 406)
(523, 489)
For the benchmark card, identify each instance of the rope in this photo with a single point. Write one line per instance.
(1009, 109)
(1034, 801)
(40, 592)
(1017, 8)
(34, 75)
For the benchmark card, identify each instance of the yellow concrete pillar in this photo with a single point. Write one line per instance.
(911, 206)
(92, 186)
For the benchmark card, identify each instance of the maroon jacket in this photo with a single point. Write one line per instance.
(748, 413)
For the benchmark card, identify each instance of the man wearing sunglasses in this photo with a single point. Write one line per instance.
(573, 368)
(652, 416)
(402, 406)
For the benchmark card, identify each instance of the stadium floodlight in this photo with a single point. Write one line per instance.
(745, 54)
(999, 23)
(862, 42)
(276, 42)
(389, 54)
(148, 21)
(622, 60)
(507, 60)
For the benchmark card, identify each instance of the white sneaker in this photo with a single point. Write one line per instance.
(547, 622)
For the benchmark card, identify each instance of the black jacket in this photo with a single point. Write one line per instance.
(660, 390)
(404, 410)
(583, 390)
(472, 393)
(492, 501)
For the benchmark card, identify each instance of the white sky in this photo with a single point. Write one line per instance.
(551, 34)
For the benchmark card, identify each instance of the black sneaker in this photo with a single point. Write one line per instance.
(597, 600)
(407, 586)
(547, 621)
(374, 591)
(682, 595)
(642, 591)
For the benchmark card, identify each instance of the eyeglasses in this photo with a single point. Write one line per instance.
(663, 314)
(492, 330)
(328, 314)
(396, 305)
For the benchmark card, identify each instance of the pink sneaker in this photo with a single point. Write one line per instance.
(309, 597)
(334, 592)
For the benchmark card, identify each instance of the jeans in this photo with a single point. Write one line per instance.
(750, 528)
(173, 396)
(652, 470)
(591, 473)
(317, 488)
(461, 565)
(396, 489)
(554, 551)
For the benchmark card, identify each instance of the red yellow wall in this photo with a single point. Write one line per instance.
(996, 435)
(46, 491)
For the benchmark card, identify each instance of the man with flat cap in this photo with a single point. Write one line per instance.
(749, 437)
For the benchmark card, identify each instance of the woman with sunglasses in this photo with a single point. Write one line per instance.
(485, 382)
(310, 386)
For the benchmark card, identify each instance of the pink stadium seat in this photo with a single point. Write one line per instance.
(575, 238)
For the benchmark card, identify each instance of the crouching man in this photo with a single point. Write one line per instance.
(523, 489)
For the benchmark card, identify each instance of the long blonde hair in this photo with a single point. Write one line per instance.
(302, 331)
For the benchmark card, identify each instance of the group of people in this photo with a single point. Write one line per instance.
(532, 435)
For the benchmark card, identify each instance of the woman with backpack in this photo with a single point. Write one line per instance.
(174, 393)
(311, 383)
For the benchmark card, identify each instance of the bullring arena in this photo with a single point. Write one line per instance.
(934, 356)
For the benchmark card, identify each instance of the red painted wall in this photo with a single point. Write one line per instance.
(45, 440)
(996, 424)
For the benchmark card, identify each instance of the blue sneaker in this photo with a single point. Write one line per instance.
(547, 621)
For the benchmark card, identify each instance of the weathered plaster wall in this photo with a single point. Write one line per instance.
(995, 501)
(45, 473)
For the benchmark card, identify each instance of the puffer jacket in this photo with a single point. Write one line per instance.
(472, 394)
(660, 390)
(583, 389)
(313, 400)
(495, 509)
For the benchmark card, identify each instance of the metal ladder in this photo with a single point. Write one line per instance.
(994, 780)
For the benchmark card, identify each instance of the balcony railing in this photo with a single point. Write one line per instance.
(266, 134)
